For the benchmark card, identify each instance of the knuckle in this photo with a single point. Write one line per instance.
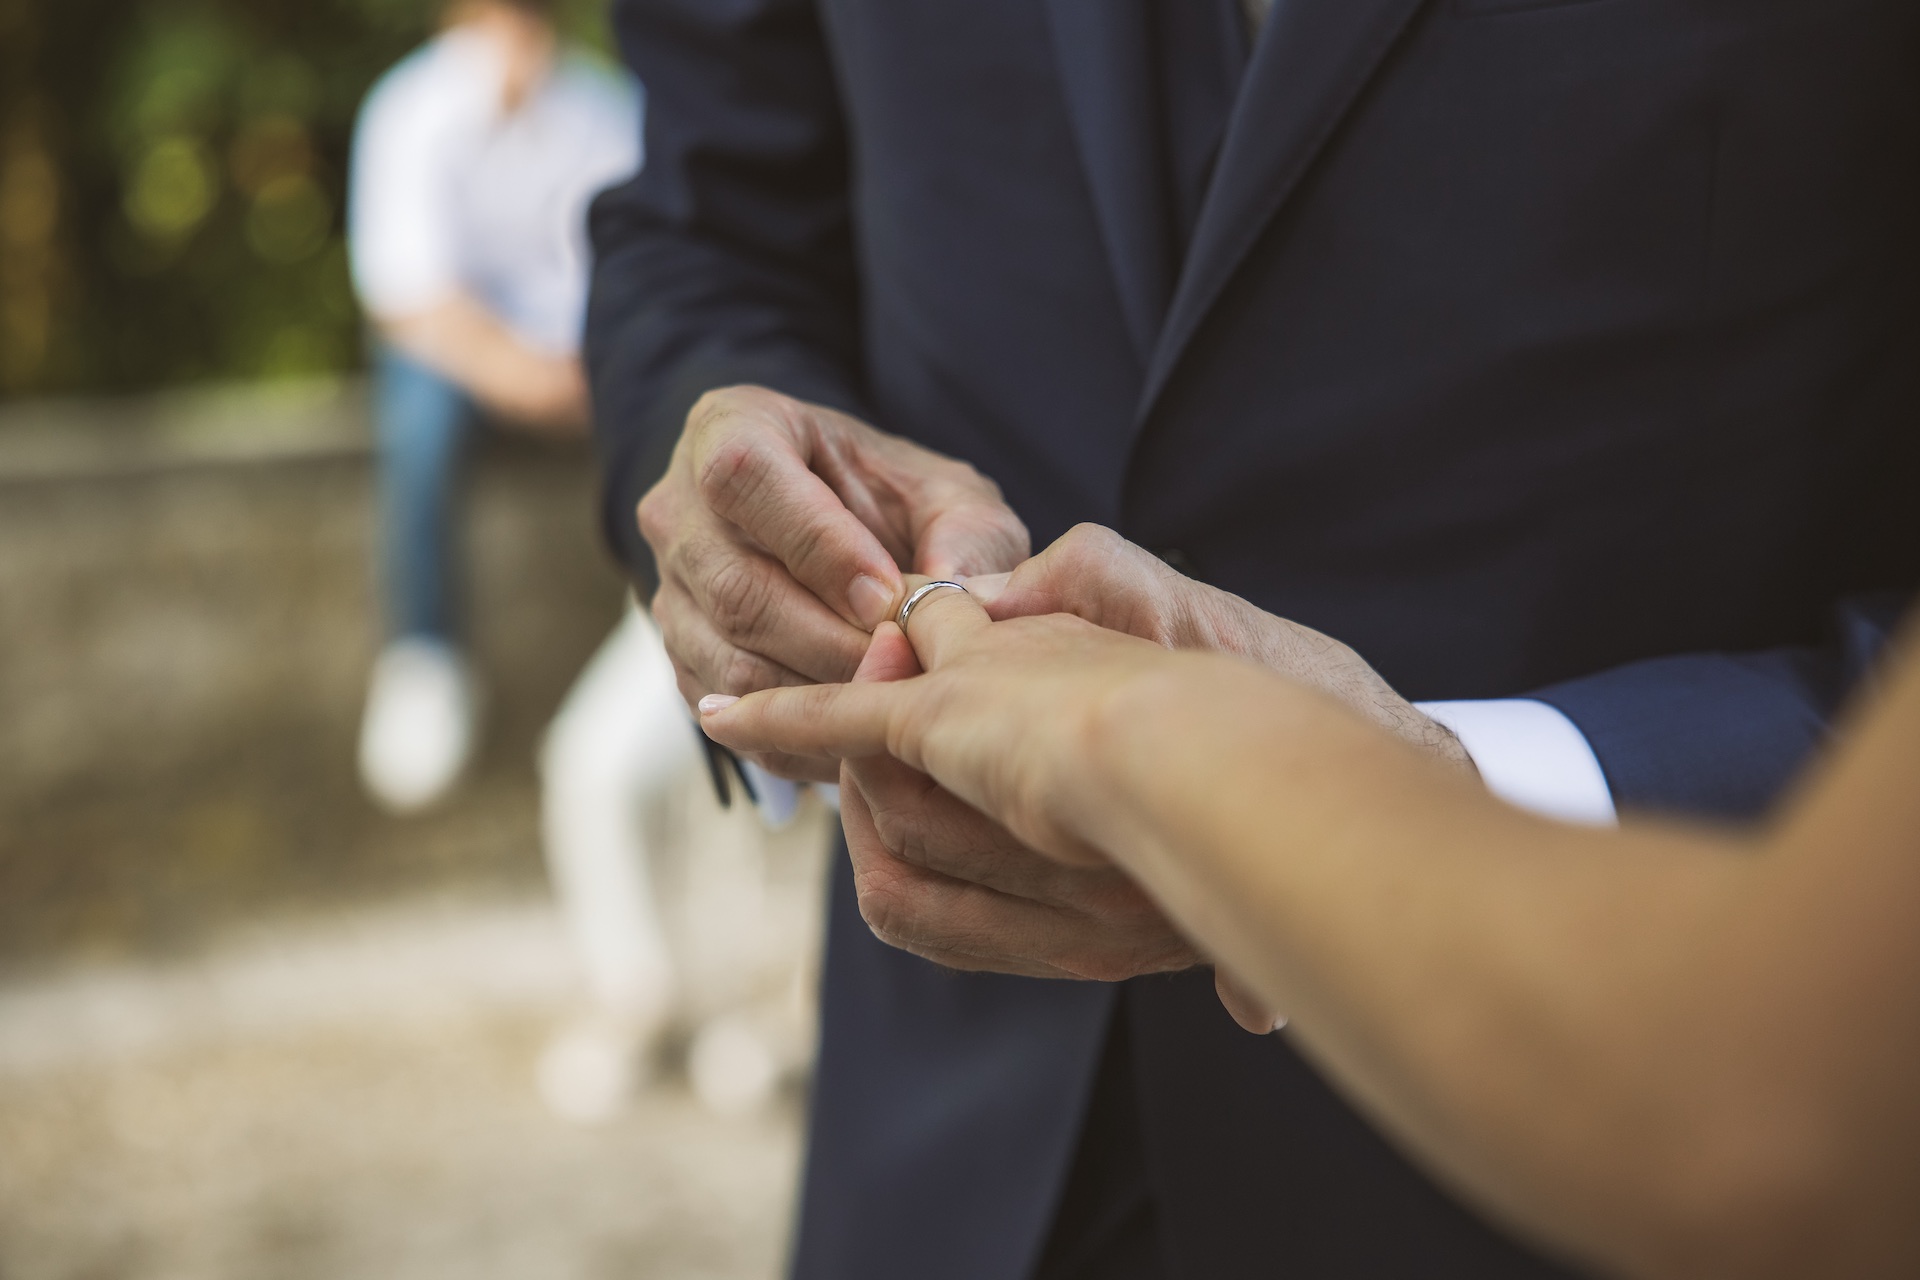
(737, 597)
(963, 474)
(655, 517)
(684, 656)
(729, 467)
(882, 908)
(815, 551)
(912, 846)
(897, 835)
(1088, 543)
(1071, 555)
(742, 673)
(719, 405)
(894, 899)
(669, 616)
(712, 404)
(877, 912)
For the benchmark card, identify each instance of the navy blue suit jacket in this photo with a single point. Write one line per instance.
(1560, 347)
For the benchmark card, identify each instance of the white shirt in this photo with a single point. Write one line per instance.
(452, 194)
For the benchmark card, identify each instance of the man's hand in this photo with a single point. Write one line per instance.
(1094, 573)
(781, 529)
(937, 877)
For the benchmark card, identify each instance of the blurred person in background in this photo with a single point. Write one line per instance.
(615, 757)
(473, 162)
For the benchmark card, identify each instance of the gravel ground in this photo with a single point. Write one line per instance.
(356, 1100)
(250, 1026)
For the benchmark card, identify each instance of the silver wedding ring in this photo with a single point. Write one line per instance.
(906, 610)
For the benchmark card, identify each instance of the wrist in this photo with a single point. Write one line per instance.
(1430, 736)
(1110, 797)
(1321, 662)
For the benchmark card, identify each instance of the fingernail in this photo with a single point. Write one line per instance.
(871, 600)
(988, 586)
(1280, 1022)
(716, 702)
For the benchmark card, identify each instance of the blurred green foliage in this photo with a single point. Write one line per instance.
(173, 181)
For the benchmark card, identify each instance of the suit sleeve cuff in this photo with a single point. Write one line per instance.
(1531, 756)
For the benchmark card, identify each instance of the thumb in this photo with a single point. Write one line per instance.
(987, 588)
(1090, 572)
(978, 537)
(1249, 1010)
(889, 657)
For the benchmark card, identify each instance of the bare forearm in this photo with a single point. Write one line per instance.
(1670, 1052)
(463, 342)
(1476, 978)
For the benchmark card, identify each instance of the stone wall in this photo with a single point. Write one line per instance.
(185, 627)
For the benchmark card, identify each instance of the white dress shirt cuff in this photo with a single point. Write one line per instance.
(1531, 756)
(779, 799)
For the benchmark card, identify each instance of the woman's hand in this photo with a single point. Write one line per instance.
(1094, 573)
(1006, 715)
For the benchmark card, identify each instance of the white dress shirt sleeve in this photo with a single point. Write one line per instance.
(415, 133)
(1530, 755)
(779, 799)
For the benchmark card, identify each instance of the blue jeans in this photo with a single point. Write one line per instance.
(422, 423)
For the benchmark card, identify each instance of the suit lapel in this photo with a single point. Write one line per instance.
(1308, 68)
(1107, 73)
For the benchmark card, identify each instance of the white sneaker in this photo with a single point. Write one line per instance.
(591, 1070)
(418, 732)
(733, 1068)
